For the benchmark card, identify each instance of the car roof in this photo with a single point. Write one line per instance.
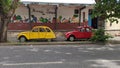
(40, 26)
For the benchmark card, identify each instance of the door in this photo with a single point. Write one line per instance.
(34, 33)
(42, 32)
(49, 33)
(94, 23)
(88, 32)
(80, 33)
(89, 20)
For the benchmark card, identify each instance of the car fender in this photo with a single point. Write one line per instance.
(26, 35)
(68, 35)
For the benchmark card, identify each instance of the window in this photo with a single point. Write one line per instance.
(76, 11)
(88, 30)
(42, 30)
(82, 30)
(48, 30)
(35, 30)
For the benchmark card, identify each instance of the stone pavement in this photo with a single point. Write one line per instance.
(12, 36)
(46, 43)
(59, 40)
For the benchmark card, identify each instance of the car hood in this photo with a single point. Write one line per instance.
(70, 32)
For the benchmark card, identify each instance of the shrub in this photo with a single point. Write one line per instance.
(100, 36)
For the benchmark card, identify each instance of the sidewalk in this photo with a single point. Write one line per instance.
(47, 43)
(60, 40)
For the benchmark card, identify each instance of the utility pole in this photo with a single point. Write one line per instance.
(29, 14)
(56, 8)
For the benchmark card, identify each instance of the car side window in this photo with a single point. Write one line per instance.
(82, 30)
(48, 30)
(42, 30)
(88, 30)
(35, 30)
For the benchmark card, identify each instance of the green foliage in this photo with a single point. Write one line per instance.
(75, 15)
(7, 10)
(100, 36)
(107, 9)
(8, 5)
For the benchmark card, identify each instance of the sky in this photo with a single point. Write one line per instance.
(63, 1)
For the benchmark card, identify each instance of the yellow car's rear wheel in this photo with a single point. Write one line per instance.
(22, 39)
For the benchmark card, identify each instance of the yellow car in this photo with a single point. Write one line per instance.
(38, 32)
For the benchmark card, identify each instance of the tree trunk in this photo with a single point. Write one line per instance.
(3, 28)
(5, 16)
(101, 22)
(97, 1)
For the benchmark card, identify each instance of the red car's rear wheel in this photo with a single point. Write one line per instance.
(71, 38)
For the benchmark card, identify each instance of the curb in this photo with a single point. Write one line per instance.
(53, 43)
(46, 43)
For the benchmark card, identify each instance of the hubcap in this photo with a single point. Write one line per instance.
(22, 39)
(71, 38)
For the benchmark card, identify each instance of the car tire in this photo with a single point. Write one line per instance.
(49, 40)
(71, 38)
(22, 39)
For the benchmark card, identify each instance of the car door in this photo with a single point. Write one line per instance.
(42, 32)
(88, 32)
(80, 33)
(34, 33)
(49, 33)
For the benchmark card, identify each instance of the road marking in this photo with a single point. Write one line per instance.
(34, 49)
(68, 53)
(34, 63)
(106, 63)
(47, 50)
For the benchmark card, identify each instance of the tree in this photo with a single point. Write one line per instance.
(7, 9)
(107, 9)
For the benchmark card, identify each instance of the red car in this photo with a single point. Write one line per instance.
(81, 32)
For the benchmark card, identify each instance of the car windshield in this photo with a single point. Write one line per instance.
(82, 29)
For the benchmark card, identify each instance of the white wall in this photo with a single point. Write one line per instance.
(49, 11)
(113, 30)
(114, 25)
(23, 11)
(66, 12)
(36, 10)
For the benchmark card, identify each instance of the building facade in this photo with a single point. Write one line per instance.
(57, 16)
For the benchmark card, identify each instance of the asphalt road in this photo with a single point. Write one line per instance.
(60, 56)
